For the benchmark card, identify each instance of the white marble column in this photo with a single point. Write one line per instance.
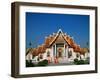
(67, 52)
(55, 49)
(64, 51)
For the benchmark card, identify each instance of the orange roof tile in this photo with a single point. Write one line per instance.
(51, 39)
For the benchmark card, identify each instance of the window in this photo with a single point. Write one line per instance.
(48, 54)
(69, 54)
(33, 56)
(77, 55)
(41, 56)
(38, 59)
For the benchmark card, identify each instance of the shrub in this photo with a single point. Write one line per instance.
(79, 62)
(75, 61)
(86, 61)
(43, 63)
(29, 63)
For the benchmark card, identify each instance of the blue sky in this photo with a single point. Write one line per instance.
(39, 25)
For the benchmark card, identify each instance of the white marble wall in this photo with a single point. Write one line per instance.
(65, 56)
(29, 56)
(87, 54)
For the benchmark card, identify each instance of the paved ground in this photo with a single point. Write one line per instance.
(62, 61)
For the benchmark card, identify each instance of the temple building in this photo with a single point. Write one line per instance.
(57, 48)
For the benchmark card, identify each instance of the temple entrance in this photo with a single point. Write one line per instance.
(60, 50)
(60, 53)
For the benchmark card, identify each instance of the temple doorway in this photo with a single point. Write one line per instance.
(60, 50)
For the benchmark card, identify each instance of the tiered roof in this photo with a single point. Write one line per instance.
(52, 38)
